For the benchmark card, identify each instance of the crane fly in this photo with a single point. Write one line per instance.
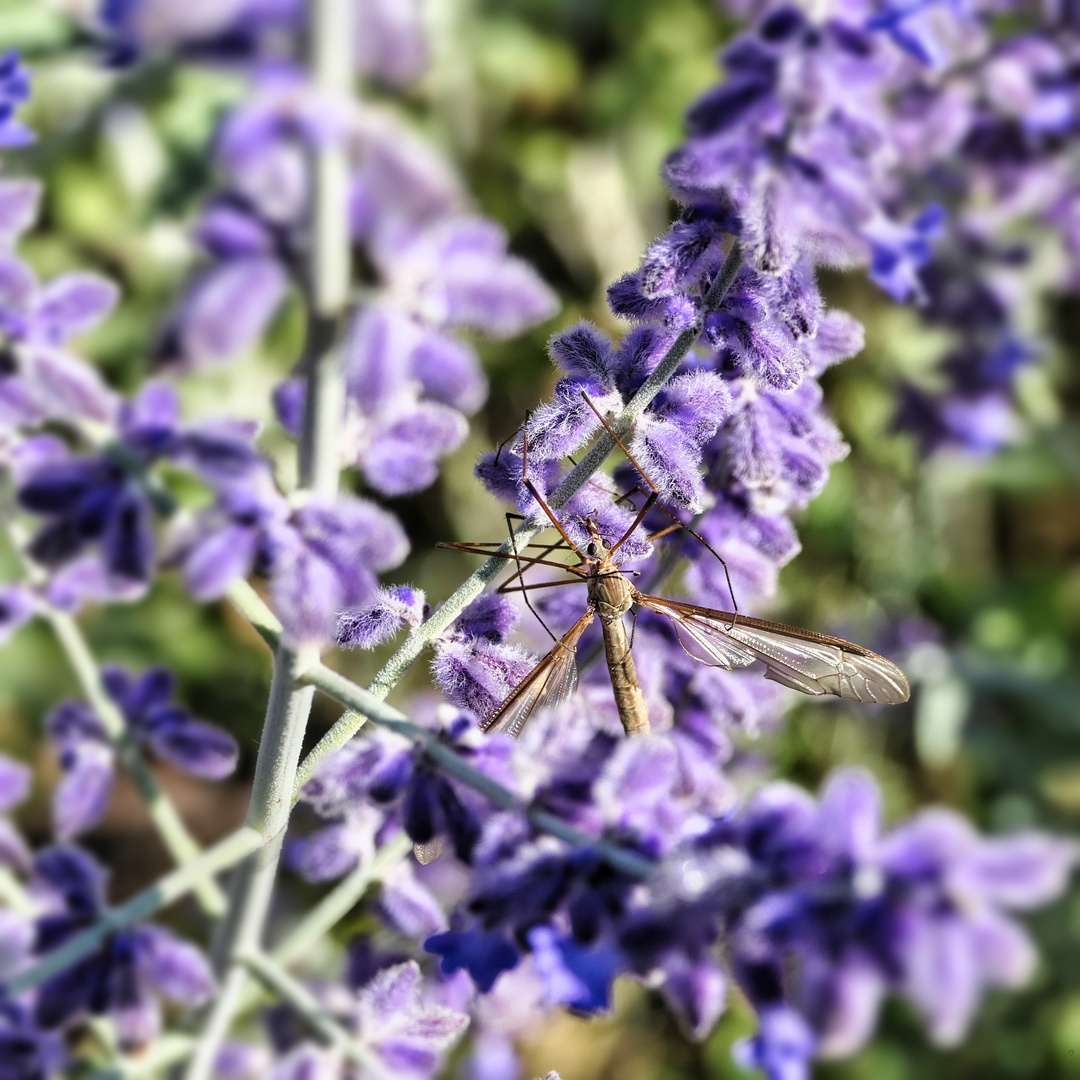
(812, 663)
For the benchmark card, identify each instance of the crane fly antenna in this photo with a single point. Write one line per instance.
(650, 501)
(532, 490)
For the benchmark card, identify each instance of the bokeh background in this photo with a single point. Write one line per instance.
(558, 113)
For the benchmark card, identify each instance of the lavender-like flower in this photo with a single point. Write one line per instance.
(98, 531)
(126, 978)
(411, 382)
(88, 757)
(14, 91)
(404, 1035)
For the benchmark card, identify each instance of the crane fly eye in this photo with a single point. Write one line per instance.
(591, 550)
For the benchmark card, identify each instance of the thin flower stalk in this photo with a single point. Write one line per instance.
(290, 704)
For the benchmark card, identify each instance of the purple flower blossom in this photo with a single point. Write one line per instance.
(127, 976)
(783, 1047)
(322, 556)
(14, 91)
(381, 618)
(18, 605)
(390, 1019)
(26, 1051)
(473, 665)
(39, 377)
(390, 40)
(19, 203)
(88, 757)
(94, 506)
(229, 29)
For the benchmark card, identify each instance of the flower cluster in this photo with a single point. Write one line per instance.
(398, 1030)
(918, 137)
(88, 756)
(437, 268)
(820, 912)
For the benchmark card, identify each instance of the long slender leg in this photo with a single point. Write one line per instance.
(701, 540)
(556, 545)
(650, 502)
(506, 587)
(526, 560)
(519, 577)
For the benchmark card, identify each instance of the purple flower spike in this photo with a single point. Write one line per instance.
(124, 978)
(18, 605)
(88, 757)
(782, 1049)
(14, 91)
(381, 618)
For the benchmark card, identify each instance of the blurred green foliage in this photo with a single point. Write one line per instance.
(559, 113)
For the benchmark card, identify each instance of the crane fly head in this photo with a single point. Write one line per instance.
(597, 547)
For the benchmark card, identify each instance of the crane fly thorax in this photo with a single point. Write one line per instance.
(610, 592)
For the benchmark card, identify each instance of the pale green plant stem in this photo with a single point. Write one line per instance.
(372, 708)
(331, 65)
(176, 884)
(247, 840)
(297, 945)
(364, 704)
(277, 980)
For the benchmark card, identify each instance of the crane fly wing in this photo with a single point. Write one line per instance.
(549, 684)
(805, 661)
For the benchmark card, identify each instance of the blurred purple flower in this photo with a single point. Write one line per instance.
(88, 756)
(322, 557)
(39, 377)
(391, 1020)
(14, 91)
(381, 618)
(125, 978)
(391, 40)
(26, 1051)
(96, 505)
(782, 1049)
(18, 605)
(20, 201)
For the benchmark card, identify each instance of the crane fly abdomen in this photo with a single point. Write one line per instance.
(629, 698)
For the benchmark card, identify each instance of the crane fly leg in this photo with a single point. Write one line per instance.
(527, 560)
(519, 576)
(505, 587)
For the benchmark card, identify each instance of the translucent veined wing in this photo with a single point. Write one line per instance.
(549, 684)
(813, 663)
